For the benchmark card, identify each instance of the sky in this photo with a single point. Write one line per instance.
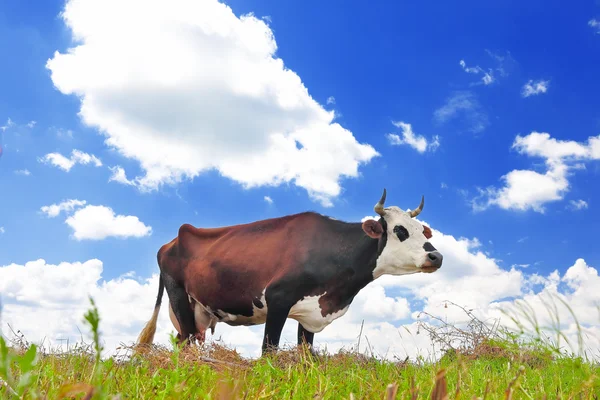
(120, 121)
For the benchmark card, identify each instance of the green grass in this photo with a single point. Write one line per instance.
(483, 363)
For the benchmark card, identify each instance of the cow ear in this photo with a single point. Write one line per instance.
(427, 232)
(372, 228)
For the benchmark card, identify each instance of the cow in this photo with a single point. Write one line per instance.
(306, 266)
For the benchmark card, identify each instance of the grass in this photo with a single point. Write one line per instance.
(479, 361)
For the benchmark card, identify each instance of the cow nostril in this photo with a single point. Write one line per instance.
(435, 257)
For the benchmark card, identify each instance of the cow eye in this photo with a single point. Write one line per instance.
(401, 232)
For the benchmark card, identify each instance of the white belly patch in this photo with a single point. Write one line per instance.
(308, 312)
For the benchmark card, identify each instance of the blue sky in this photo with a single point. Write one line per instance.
(373, 66)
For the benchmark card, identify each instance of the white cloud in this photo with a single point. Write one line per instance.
(59, 313)
(524, 189)
(468, 278)
(532, 88)
(100, 222)
(443, 185)
(527, 189)
(463, 104)
(24, 172)
(540, 144)
(578, 287)
(67, 206)
(471, 70)
(2, 230)
(268, 199)
(331, 100)
(195, 88)
(97, 222)
(486, 79)
(64, 163)
(578, 204)
(595, 24)
(31, 124)
(503, 63)
(415, 141)
(118, 175)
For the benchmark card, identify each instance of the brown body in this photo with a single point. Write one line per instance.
(212, 264)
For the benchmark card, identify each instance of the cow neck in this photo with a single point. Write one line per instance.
(360, 255)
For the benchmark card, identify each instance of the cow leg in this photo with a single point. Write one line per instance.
(274, 325)
(180, 305)
(306, 337)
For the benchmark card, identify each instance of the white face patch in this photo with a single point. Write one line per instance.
(401, 257)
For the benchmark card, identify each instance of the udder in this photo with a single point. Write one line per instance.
(202, 318)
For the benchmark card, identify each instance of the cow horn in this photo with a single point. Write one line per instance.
(379, 206)
(418, 210)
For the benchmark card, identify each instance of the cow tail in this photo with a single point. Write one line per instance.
(147, 335)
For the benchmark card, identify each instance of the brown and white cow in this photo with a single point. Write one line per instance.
(305, 266)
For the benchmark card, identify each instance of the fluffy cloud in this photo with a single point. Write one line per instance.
(97, 222)
(555, 298)
(100, 222)
(59, 313)
(468, 278)
(540, 144)
(119, 175)
(532, 88)
(67, 206)
(415, 141)
(527, 189)
(524, 189)
(268, 199)
(194, 88)
(64, 163)
(463, 105)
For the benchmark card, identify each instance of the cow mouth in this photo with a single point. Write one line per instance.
(429, 268)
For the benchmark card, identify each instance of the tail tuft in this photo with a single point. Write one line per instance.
(146, 336)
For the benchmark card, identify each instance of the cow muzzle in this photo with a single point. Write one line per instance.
(433, 262)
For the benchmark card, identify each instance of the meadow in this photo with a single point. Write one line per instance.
(479, 360)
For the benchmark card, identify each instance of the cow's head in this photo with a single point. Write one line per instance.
(403, 242)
